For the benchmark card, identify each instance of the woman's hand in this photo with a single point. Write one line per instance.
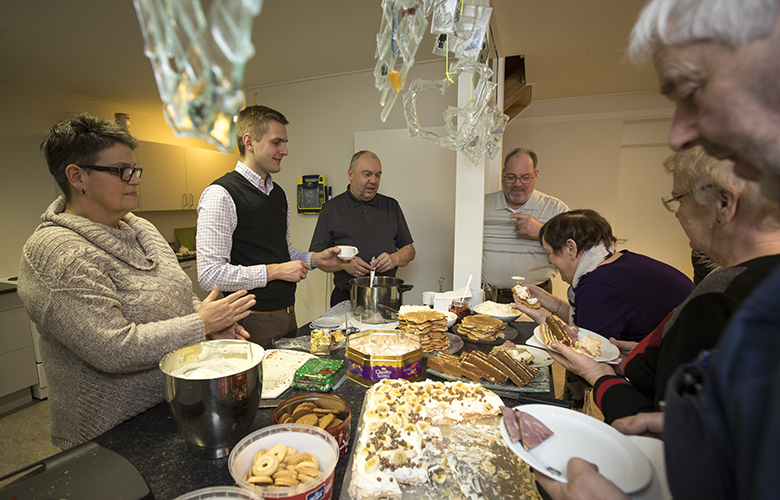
(584, 366)
(546, 300)
(625, 347)
(539, 314)
(220, 314)
(584, 483)
(233, 332)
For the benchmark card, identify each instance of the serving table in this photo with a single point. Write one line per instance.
(151, 442)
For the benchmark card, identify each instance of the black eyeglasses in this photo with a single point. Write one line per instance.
(525, 179)
(125, 173)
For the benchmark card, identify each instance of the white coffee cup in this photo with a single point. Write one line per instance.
(347, 252)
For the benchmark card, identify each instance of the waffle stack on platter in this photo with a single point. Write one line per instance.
(482, 327)
(496, 367)
(430, 326)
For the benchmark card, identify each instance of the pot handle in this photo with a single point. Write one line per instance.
(404, 288)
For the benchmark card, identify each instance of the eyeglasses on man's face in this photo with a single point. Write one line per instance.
(125, 173)
(525, 179)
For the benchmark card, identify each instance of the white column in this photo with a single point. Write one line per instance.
(469, 208)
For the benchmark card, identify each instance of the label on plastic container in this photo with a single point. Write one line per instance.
(380, 372)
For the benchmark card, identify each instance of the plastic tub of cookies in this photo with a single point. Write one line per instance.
(220, 493)
(292, 461)
(375, 355)
(327, 412)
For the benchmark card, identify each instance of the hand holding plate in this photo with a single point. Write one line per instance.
(584, 483)
(581, 364)
(642, 424)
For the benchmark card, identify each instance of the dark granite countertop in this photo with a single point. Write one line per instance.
(151, 442)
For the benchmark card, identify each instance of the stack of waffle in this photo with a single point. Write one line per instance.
(482, 327)
(495, 367)
(430, 326)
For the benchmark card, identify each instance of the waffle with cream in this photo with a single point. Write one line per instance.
(523, 296)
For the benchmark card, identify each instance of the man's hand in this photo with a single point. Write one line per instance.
(294, 271)
(327, 258)
(526, 226)
(643, 424)
(584, 366)
(357, 267)
(384, 262)
(584, 483)
(220, 314)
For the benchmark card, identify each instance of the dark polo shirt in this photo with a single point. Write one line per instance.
(374, 227)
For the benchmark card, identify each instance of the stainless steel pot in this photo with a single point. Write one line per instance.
(213, 411)
(378, 303)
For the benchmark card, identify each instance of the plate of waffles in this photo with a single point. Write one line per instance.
(597, 347)
(456, 344)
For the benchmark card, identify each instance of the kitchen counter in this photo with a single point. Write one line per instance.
(151, 442)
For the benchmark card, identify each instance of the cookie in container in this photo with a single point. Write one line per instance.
(375, 355)
(338, 426)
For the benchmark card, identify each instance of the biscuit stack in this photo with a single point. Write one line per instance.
(310, 414)
(429, 326)
(482, 327)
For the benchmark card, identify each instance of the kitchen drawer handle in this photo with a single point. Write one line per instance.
(184, 200)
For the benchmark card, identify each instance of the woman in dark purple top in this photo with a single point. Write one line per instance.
(628, 297)
(615, 294)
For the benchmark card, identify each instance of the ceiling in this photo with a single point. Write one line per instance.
(94, 48)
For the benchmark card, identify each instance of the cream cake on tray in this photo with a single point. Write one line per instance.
(400, 422)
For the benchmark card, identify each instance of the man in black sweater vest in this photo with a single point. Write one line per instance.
(243, 234)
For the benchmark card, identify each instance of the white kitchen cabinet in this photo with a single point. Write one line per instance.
(17, 359)
(175, 176)
(164, 181)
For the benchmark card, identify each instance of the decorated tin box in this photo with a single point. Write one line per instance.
(373, 355)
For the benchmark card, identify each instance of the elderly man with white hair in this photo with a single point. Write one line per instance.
(719, 61)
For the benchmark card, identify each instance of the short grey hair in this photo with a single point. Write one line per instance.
(521, 151)
(358, 155)
(676, 22)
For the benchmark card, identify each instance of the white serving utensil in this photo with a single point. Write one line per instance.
(371, 274)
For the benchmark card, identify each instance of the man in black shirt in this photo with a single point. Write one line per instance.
(363, 218)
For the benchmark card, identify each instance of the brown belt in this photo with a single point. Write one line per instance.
(287, 310)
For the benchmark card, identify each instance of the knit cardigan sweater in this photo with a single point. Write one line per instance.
(109, 304)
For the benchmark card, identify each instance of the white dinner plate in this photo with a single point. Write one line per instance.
(609, 351)
(328, 322)
(579, 435)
